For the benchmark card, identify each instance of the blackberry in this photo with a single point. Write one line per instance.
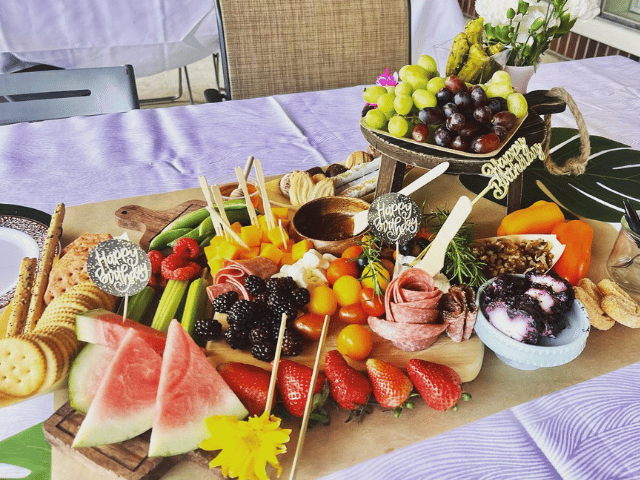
(261, 298)
(301, 297)
(280, 303)
(261, 334)
(255, 285)
(237, 337)
(206, 329)
(286, 284)
(222, 303)
(244, 312)
(292, 343)
(263, 351)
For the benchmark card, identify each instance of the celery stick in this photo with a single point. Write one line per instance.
(169, 303)
(194, 305)
(139, 303)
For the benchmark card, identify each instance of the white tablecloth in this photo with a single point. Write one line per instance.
(152, 36)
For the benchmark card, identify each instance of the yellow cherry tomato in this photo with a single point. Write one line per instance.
(355, 341)
(381, 273)
(323, 301)
(347, 290)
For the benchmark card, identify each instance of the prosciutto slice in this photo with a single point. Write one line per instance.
(459, 311)
(232, 275)
(409, 337)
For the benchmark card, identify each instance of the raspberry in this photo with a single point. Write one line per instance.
(186, 247)
(188, 272)
(155, 257)
(171, 263)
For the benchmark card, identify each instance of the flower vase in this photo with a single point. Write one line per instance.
(520, 77)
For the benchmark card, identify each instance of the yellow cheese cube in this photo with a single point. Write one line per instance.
(229, 250)
(271, 252)
(300, 248)
(215, 264)
(280, 212)
(286, 259)
(278, 236)
(251, 253)
(251, 235)
(210, 251)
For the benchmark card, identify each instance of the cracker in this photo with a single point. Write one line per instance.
(36, 305)
(22, 366)
(597, 318)
(609, 287)
(621, 310)
(102, 298)
(54, 360)
(22, 297)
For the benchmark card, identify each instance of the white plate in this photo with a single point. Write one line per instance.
(23, 232)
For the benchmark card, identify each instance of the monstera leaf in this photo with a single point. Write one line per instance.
(613, 172)
(28, 450)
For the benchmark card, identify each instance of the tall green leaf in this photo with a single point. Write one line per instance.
(613, 172)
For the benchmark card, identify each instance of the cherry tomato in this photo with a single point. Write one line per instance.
(323, 301)
(372, 304)
(341, 267)
(381, 274)
(352, 252)
(388, 265)
(347, 290)
(355, 341)
(353, 314)
(309, 325)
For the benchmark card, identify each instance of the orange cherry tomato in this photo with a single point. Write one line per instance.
(372, 304)
(353, 252)
(341, 267)
(353, 314)
(355, 341)
(347, 290)
(309, 325)
(323, 301)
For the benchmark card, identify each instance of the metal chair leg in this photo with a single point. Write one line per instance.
(162, 100)
(186, 75)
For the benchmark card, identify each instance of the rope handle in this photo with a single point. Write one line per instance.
(576, 165)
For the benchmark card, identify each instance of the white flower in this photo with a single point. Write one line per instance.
(536, 10)
(583, 10)
(495, 11)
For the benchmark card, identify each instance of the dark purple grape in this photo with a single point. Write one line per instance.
(420, 133)
(455, 85)
(461, 143)
(478, 96)
(442, 137)
(449, 109)
(462, 100)
(497, 104)
(443, 96)
(431, 116)
(485, 143)
(505, 119)
(471, 129)
(483, 114)
(455, 121)
(500, 131)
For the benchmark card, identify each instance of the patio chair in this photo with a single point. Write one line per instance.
(280, 47)
(44, 95)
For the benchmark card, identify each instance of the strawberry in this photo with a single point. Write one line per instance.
(349, 388)
(249, 382)
(391, 387)
(438, 385)
(293, 383)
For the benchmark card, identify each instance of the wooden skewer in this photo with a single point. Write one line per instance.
(308, 407)
(204, 186)
(276, 361)
(396, 268)
(215, 216)
(271, 223)
(247, 197)
(284, 238)
(217, 197)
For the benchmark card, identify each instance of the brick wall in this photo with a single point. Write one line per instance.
(571, 45)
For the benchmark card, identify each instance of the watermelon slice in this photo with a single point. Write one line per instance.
(107, 328)
(123, 406)
(86, 374)
(190, 390)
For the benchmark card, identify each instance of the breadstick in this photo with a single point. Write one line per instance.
(21, 298)
(36, 306)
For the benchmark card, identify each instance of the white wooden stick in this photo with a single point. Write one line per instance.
(204, 186)
(276, 361)
(271, 223)
(308, 407)
(217, 197)
(284, 238)
(247, 197)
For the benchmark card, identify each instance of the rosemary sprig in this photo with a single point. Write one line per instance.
(461, 265)
(371, 253)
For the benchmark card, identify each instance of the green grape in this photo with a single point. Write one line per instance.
(435, 84)
(372, 93)
(398, 126)
(403, 104)
(499, 90)
(385, 102)
(391, 89)
(500, 77)
(417, 70)
(403, 88)
(417, 80)
(375, 119)
(423, 99)
(402, 72)
(428, 63)
(517, 104)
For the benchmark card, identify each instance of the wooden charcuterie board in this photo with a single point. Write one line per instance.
(125, 460)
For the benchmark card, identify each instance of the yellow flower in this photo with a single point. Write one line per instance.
(246, 446)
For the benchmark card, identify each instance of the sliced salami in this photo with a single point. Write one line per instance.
(459, 312)
(412, 297)
(240, 269)
(409, 337)
(230, 286)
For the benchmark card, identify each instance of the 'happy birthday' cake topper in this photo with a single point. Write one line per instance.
(394, 218)
(505, 169)
(119, 267)
(387, 80)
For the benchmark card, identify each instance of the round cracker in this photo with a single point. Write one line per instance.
(105, 300)
(22, 366)
(54, 358)
(597, 318)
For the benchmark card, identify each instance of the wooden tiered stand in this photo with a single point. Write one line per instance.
(397, 153)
